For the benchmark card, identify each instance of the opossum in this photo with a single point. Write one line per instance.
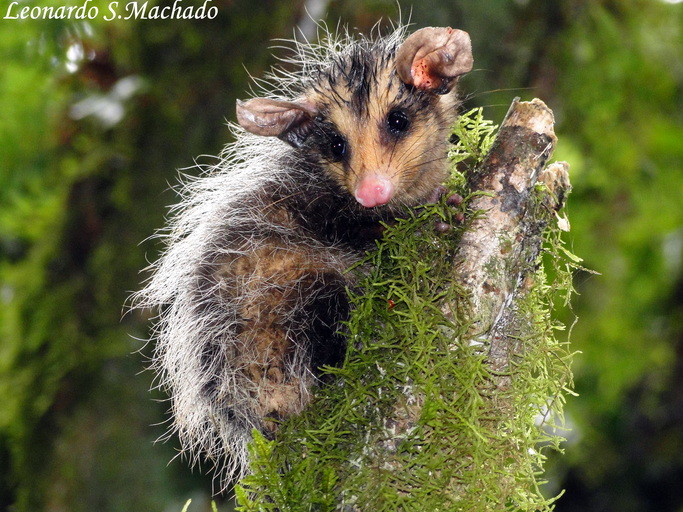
(251, 289)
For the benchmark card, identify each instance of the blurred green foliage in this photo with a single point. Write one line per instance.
(80, 195)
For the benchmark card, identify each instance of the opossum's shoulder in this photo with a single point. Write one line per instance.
(239, 181)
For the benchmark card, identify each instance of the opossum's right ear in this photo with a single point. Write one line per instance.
(291, 121)
(433, 57)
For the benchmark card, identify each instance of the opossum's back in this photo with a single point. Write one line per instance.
(253, 301)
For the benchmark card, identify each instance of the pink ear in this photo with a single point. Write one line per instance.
(432, 58)
(288, 120)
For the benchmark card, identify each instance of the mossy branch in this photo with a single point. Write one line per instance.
(454, 378)
(501, 250)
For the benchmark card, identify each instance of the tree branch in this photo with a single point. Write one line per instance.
(500, 251)
(453, 361)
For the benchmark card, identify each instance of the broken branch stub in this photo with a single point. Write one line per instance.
(499, 254)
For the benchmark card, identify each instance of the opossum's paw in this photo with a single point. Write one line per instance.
(440, 191)
(453, 200)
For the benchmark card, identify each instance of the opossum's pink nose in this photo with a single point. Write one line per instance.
(374, 190)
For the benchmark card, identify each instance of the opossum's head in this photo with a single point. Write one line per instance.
(376, 116)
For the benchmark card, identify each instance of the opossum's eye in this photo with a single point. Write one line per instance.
(337, 147)
(397, 122)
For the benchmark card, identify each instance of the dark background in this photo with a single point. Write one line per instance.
(96, 118)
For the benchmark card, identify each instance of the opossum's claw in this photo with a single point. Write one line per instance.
(454, 200)
(440, 191)
(437, 194)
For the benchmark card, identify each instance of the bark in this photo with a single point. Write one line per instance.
(499, 253)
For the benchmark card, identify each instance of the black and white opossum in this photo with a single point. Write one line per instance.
(251, 288)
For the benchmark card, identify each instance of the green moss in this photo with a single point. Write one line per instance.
(414, 419)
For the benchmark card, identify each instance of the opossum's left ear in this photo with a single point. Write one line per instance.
(432, 58)
(288, 120)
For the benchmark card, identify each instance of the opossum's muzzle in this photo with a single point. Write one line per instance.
(374, 190)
